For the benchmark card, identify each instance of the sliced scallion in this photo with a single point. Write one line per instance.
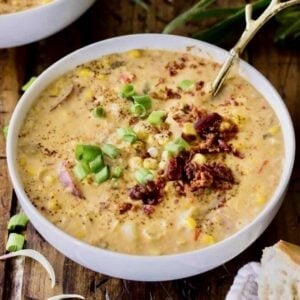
(15, 242)
(143, 100)
(117, 172)
(102, 175)
(97, 164)
(177, 146)
(143, 175)
(138, 110)
(127, 134)
(98, 112)
(186, 84)
(27, 85)
(127, 91)
(18, 220)
(87, 152)
(110, 150)
(157, 117)
(81, 170)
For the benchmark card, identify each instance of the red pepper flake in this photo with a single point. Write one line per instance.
(124, 207)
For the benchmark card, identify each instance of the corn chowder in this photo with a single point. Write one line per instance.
(11, 6)
(130, 153)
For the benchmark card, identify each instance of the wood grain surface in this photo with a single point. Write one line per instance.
(25, 279)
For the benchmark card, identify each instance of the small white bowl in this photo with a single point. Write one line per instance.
(33, 24)
(150, 268)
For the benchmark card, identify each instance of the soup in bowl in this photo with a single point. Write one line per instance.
(120, 150)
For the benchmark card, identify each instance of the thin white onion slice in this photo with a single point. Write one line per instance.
(36, 256)
(65, 296)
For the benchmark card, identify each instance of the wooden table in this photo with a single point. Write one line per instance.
(25, 279)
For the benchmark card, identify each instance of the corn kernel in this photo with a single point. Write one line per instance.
(53, 205)
(168, 187)
(162, 165)
(31, 171)
(238, 119)
(84, 72)
(190, 223)
(188, 129)
(274, 130)
(225, 126)
(153, 152)
(150, 140)
(135, 162)
(150, 163)
(88, 95)
(162, 139)
(142, 130)
(134, 53)
(101, 76)
(207, 239)
(49, 179)
(199, 159)
(80, 233)
(22, 161)
(261, 199)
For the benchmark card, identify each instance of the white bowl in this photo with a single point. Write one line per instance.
(33, 24)
(150, 268)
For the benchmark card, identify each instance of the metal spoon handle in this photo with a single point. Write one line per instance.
(252, 26)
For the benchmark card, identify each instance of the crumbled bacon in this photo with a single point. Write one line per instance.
(174, 66)
(149, 193)
(208, 124)
(124, 207)
(199, 85)
(188, 113)
(170, 94)
(148, 209)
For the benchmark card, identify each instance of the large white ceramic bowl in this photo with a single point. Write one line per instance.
(150, 268)
(33, 24)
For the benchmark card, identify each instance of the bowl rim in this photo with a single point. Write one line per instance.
(34, 213)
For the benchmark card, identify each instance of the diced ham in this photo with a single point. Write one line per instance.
(67, 180)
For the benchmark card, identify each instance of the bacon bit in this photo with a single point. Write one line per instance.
(63, 96)
(170, 94)
(127, 78)
(174, 66)
(208, 124)
(199, 85)
(263, 165)
(124, 207)
(197, 233)
(148, 209)
(149, 193)
(67, 180)
(188, 113)
(160, 81)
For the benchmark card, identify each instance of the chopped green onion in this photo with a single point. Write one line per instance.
(102, 175)
(27, 85)
(97, 164)
(81, 170)
(157, 117)
(185, 84)
(177, 146)
(18, 220)
(98, 112)
(138, 110)
(143, 175)
(5, 131)
(127, 91)
(117, 172)
(15, 242)
(87, 152)
(110, 150)
(127, 134)
(143, 100)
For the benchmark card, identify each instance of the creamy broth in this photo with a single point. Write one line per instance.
(11, 6)
(193, 173)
